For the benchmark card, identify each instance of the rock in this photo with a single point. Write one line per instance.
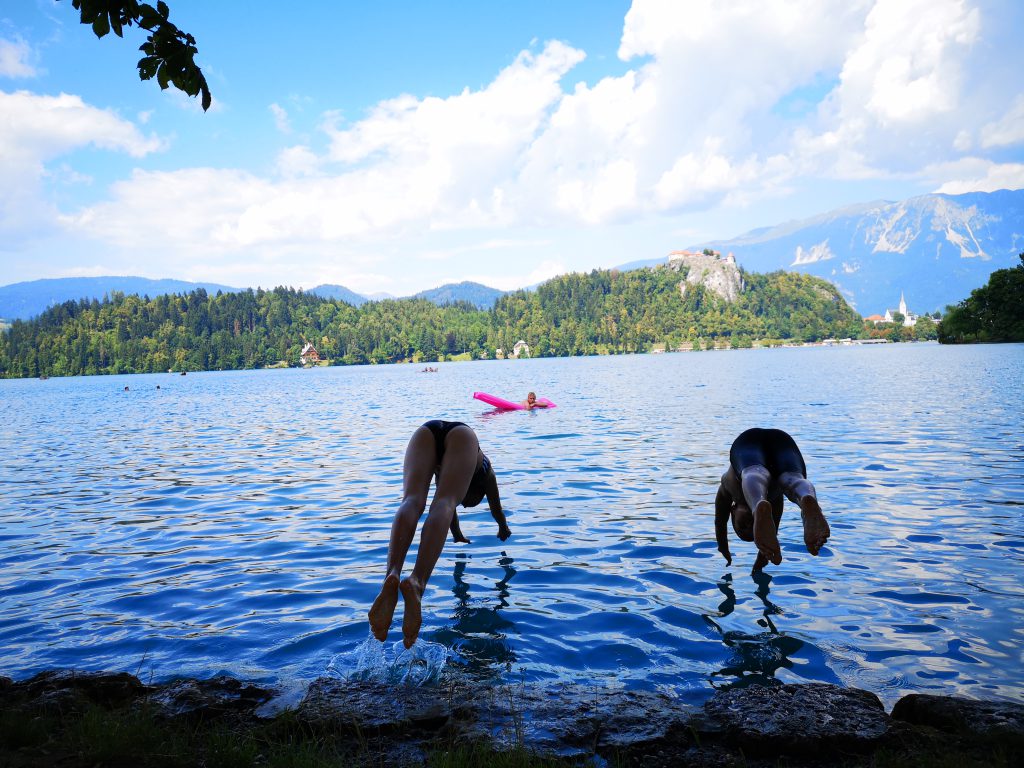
(812, 724)
(719, 275)
(1003, 721)
(380, 706)
(216, 697)
(569, 720)
(69, 691)
(806, 719)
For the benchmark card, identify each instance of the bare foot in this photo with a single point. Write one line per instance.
(383, 608)
(765, 536)
(412, 593)
(459, 538)
(816, 530)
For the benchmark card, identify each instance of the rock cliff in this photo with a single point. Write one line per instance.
(719, 274)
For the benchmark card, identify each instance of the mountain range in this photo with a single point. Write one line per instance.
(934, 249)
(480, 296)
(20, 301)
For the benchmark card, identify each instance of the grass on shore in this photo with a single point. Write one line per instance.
(138, 738)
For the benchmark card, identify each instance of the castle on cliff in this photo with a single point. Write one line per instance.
(719, 274)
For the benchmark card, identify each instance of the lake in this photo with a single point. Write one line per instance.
(238, 522)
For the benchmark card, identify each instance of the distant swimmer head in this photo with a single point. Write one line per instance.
(531, 398)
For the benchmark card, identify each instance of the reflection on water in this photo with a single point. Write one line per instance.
(238, 522)
(756, 657)
(478, 634)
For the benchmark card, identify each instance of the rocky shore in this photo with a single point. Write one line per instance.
(385, 725)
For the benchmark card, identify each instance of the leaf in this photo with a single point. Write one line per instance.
(163, 76)
(147, 67)
(148, 17)
(115, 23)
(101, 26)
(162, 9)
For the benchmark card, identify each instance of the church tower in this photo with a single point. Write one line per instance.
(903, 305)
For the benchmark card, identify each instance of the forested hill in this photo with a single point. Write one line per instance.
(576, 314)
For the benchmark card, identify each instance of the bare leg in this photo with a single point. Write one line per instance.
(776, 500)
(800, 490)
(755, 481)
(461, 453)
(420, 458)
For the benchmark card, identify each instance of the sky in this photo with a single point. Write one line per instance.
(392, 147)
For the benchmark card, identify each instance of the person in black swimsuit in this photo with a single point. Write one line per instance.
(450, 451)
(764, 465)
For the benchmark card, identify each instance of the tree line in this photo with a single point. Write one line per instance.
(602, 312)
(994, 312)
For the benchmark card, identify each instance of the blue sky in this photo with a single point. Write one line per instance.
(396, 146)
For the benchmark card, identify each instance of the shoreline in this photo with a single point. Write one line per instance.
(351, 723)
(283, 365)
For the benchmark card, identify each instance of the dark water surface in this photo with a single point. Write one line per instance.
(238, 521)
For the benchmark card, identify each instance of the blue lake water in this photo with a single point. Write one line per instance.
(238, 522)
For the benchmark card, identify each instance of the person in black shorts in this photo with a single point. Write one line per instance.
(448, 450)
(765, 465)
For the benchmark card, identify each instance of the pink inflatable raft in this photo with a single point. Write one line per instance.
(508, 405)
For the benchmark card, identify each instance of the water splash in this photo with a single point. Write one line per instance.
(395, 664)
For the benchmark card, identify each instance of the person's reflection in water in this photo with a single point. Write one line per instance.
(479, 632)
(755, 657)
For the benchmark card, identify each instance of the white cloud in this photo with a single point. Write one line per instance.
(15, 56)
(907, 67)
(989, 177)
(43, 127)
(280, 118)
(1008, 130)
(903, 85)
(298, 161)
(37, 129)
(699, 177)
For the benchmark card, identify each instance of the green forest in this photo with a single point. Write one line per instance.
(994, 312)
(603, 312)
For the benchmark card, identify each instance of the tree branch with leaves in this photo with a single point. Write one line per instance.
(169, 52)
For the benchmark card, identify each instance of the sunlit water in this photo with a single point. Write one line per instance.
(238, 522)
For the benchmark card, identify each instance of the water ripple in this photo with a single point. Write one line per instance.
(238, 522)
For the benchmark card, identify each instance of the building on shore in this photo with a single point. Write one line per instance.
(909, 318)
(309, 355)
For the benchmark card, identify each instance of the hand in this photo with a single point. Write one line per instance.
(504, 532)
(726, 555)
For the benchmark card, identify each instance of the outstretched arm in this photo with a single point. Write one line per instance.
(723, 505)
(456, 530)
(494, 503)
